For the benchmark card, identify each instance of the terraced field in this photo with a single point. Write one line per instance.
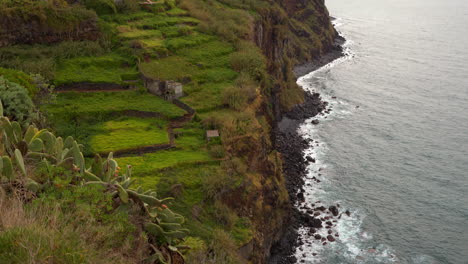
(164, 143)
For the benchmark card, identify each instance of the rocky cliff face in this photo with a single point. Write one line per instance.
(291, 33)
(32, 32)
(45, 23)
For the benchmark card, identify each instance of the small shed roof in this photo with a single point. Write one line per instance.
(212, 133)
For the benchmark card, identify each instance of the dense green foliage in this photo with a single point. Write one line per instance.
(111, 102)
(20, 78)
(102, 69)
(99, 119)
(53, 15)
(41, 163)
(67, 224)
(102, 7)
(18, 105)
(43, 59)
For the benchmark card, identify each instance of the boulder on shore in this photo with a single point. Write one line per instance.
(334, 210)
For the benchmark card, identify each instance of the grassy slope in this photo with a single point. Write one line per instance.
(109, 68)
(111, 102)
(68, 225)
(98, 119)
(202, 59)
(129, 133)
(169, 46)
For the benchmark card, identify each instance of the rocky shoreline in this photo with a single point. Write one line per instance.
(291, 144)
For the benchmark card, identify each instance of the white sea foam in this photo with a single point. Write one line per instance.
(352, 243)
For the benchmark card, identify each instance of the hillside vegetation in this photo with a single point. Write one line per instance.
(230, 190)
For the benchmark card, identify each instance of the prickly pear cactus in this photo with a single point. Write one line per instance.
(21, 150)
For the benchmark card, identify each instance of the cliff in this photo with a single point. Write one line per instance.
(296, 36)
(291, 33)
(236, 62)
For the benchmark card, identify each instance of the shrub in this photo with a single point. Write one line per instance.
(72, 225)
(127, 6)
(16, 103)
(42, 59)
(212, 122)
(198, 250)
(72, 49)
(249, 59)
(235, 97)
(45, 93)
(102, 7)
(239, 166)
(20, 78)
(217, 152)
(225, 215)
(244, 91)
(224, 249)
(229, 23)
(216, 183)
(45, 66)
(291, 93)
(51, 15)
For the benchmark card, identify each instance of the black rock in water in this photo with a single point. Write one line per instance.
(334, 210)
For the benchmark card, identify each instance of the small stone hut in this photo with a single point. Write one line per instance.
(169, 90)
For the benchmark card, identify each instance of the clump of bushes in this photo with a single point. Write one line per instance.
(16, 102)
(53, 15)
(229, 23)
(251, 64)
(244, 91)
(225, 215)
(291, 94)
(249, 59)
(20, 78)
(235, 98)
(43, 59)
(217, 151)
(222, 249)
(102, 7)
(215, 184)
(127, 6)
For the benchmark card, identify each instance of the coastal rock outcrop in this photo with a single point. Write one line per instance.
(334, 210)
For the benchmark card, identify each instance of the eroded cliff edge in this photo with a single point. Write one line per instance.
(297, 37)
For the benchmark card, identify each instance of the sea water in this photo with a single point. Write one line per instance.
(394, 150)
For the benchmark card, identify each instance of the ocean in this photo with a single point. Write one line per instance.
(394, 149)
